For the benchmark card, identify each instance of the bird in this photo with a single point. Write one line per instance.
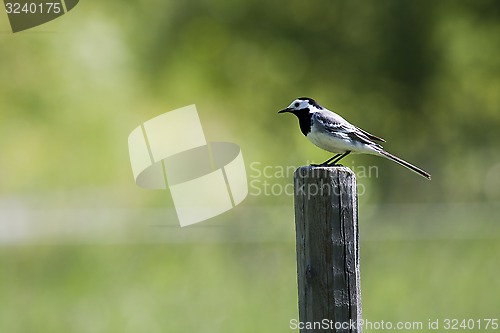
(332, 133)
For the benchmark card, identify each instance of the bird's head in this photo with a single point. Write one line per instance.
(302, 106)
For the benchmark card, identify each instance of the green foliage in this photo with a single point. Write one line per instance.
(422, 74)
(228, 288)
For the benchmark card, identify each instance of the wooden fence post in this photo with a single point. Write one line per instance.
(326, 222)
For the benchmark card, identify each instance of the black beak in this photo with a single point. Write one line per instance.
(285, 110)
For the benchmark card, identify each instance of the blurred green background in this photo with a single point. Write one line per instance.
(82, 249)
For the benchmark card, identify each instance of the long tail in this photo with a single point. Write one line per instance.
(405, 164)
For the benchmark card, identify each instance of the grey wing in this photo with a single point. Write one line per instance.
(339, 127)
(370, 136)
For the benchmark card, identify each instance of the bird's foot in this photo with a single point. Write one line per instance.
(326, 165)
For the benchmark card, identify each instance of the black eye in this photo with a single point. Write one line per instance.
(296, 104)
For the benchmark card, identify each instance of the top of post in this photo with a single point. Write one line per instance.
(322, 170)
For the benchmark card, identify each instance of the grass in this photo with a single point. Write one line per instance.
(230, 287)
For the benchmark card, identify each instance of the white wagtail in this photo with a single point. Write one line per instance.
(331, 132)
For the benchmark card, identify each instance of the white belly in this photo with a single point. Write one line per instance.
(329, 143)
(338, 144)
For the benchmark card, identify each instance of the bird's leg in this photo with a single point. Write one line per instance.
(327, 161)
(338, 158)
(330, 159)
